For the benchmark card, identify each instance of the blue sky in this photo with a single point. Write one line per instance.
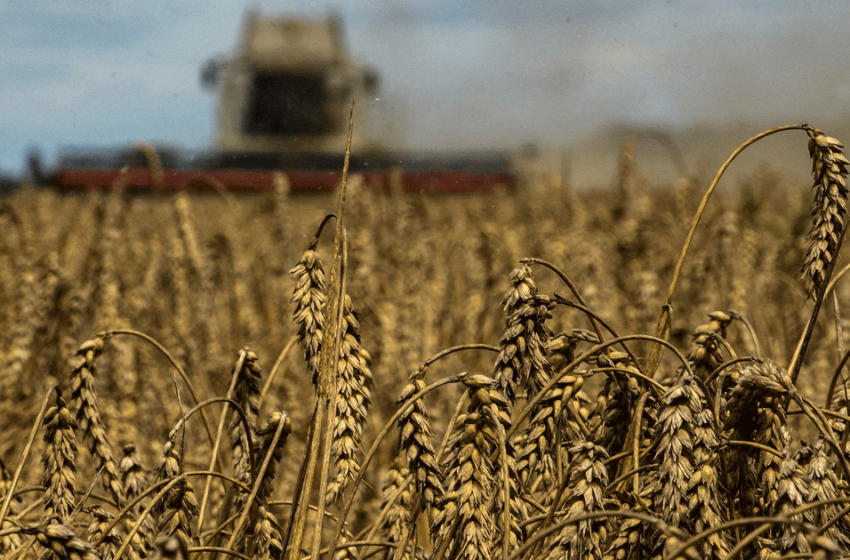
(454, 74)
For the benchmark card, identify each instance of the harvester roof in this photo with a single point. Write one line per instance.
(275, 43)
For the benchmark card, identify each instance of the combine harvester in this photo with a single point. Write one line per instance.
(283, 103)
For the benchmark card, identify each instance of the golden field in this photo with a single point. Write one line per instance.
(541, 439)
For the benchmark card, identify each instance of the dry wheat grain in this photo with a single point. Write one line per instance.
(470, 483)
(99, 520)
(135, 480)
(829, 209)
(416, 444)
(352, 401)
(58, 459)
(587, 481)
(88, 417)
(63, 541)
(309, 300)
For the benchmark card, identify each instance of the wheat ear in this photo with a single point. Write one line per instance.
(309, 300)
(470, 483)
(11, 540)
(793, 488)
(829, 209)
(135, 480)
(58, 459)
(755, 412)
(352, 401)
(417, 445)
(829, 214)
(248, 378)
(587, 482)
(824, 485)
(88, 415)
(179, 505)
(99, 531)
(64, 542)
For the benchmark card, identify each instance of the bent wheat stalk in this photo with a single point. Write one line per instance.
(829, 214)
(10, 490)
(108, 334)
(662, 331)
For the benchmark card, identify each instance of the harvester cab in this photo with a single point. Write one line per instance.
(288, 86)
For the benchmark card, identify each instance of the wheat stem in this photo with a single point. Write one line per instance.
(274, 371)
(234, 380)
(663, 328)
(177, 367)
(10, 490)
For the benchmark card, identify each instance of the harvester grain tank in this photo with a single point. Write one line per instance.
(283, 100)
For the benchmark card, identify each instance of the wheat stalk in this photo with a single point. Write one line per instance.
(417, 446)
(309, 299)
(829, 209)
(587, 481)
(353, 398)
(135, 481)
(88, 415)
(662, 330)
(64, 542)
(58, 460)
(469, 477)
(99, 531)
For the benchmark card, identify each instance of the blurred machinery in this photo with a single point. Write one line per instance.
(283, 101)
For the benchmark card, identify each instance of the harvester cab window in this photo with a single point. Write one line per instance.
(286, 104)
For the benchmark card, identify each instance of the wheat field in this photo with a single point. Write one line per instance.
(544, 373)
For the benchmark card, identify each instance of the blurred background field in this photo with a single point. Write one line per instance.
(207, 274)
